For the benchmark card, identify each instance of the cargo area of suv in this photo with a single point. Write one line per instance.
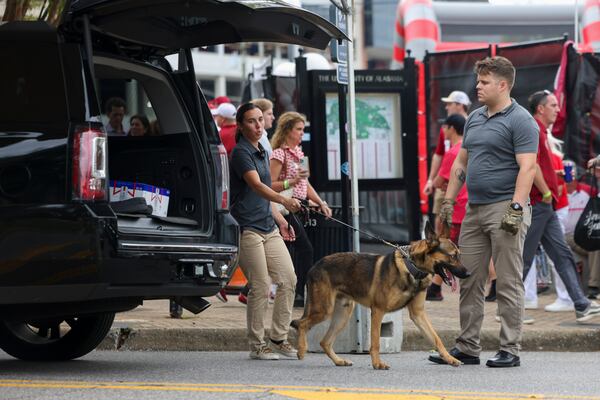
(159, 168)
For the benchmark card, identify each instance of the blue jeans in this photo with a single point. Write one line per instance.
(545, 229)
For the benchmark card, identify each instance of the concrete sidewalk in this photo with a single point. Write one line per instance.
(223, 327)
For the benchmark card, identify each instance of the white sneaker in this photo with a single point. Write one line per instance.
(560, 306)
(527, 320)
(284, 348)
(593, 310)
(531, 305)
(263, 353)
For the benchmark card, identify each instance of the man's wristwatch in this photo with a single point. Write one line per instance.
(516, 206)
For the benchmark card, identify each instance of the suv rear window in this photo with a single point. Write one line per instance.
(32, 84)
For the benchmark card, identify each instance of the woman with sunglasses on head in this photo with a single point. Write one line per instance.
(263, 255)
(287, 174)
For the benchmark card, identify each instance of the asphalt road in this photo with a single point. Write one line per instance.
(232, 375)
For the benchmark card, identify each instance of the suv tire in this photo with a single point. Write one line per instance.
(44, 340)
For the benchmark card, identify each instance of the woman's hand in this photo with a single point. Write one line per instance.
(303, 173)
(324, 208)
(291, 204)
(287, 232)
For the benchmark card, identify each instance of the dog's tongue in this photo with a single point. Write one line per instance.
(450, 280)
(453, 283)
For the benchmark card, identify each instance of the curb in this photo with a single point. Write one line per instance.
(575, 340)
(125, 338)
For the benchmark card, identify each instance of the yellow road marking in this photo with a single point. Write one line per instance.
(295, 392)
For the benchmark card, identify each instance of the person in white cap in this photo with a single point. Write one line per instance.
(225, 119)
(457, 102)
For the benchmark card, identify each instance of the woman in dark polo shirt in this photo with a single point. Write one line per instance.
(264, 258)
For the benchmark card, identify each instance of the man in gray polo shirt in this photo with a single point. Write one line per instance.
(498, 163)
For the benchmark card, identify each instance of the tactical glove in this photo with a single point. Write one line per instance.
(511, 221)
(446, 211)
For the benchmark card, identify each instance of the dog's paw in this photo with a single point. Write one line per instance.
(453, 361)
(380, 365)
(343, 363)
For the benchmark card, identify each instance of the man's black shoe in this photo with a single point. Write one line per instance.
(503, 359)
(460, 356)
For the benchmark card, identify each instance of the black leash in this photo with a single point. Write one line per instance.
(403, 249)
(412, 268)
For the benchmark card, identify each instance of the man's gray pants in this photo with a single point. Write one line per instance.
(545, 228)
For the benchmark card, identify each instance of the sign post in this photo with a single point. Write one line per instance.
(344, 55)
(339, 53)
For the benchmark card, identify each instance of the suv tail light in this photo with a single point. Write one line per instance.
(223, 194)
(89, 164)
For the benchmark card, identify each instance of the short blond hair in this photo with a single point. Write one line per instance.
(499, 66)
(285, 124)
(262, 103)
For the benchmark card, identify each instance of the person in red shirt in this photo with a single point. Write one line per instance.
(545, 227)
(225, 120)
(457, 102)
(224, 116)
(453, 131)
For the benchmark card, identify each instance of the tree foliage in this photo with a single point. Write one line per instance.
(31, 10)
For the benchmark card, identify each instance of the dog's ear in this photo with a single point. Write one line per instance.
(445, 231)
(430, 235)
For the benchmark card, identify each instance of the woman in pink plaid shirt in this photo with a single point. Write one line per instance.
(287, 173)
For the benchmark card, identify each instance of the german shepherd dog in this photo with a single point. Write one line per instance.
(382, 283)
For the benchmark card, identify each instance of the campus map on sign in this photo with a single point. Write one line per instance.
(378, 133)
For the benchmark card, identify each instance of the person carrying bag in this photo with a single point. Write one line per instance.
(587, 230)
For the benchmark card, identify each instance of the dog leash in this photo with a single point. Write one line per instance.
(402, 249)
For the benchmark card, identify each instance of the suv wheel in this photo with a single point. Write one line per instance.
(54, 339)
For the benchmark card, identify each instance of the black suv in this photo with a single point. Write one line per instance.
(72, 252)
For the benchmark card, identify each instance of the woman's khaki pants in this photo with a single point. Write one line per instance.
(264, 258)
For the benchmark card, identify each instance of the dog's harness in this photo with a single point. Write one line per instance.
(410, 265)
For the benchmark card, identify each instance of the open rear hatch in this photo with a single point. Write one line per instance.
(170, 25)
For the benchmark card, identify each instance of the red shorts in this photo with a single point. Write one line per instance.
(455, 233)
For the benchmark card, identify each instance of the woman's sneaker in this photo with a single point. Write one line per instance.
(284, 348)
(560, 305)
(263, 353)
(593, 310)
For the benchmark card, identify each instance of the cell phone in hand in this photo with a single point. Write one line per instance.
(304, 164)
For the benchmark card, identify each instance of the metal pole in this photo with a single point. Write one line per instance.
(353, 163)
(352, 132)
